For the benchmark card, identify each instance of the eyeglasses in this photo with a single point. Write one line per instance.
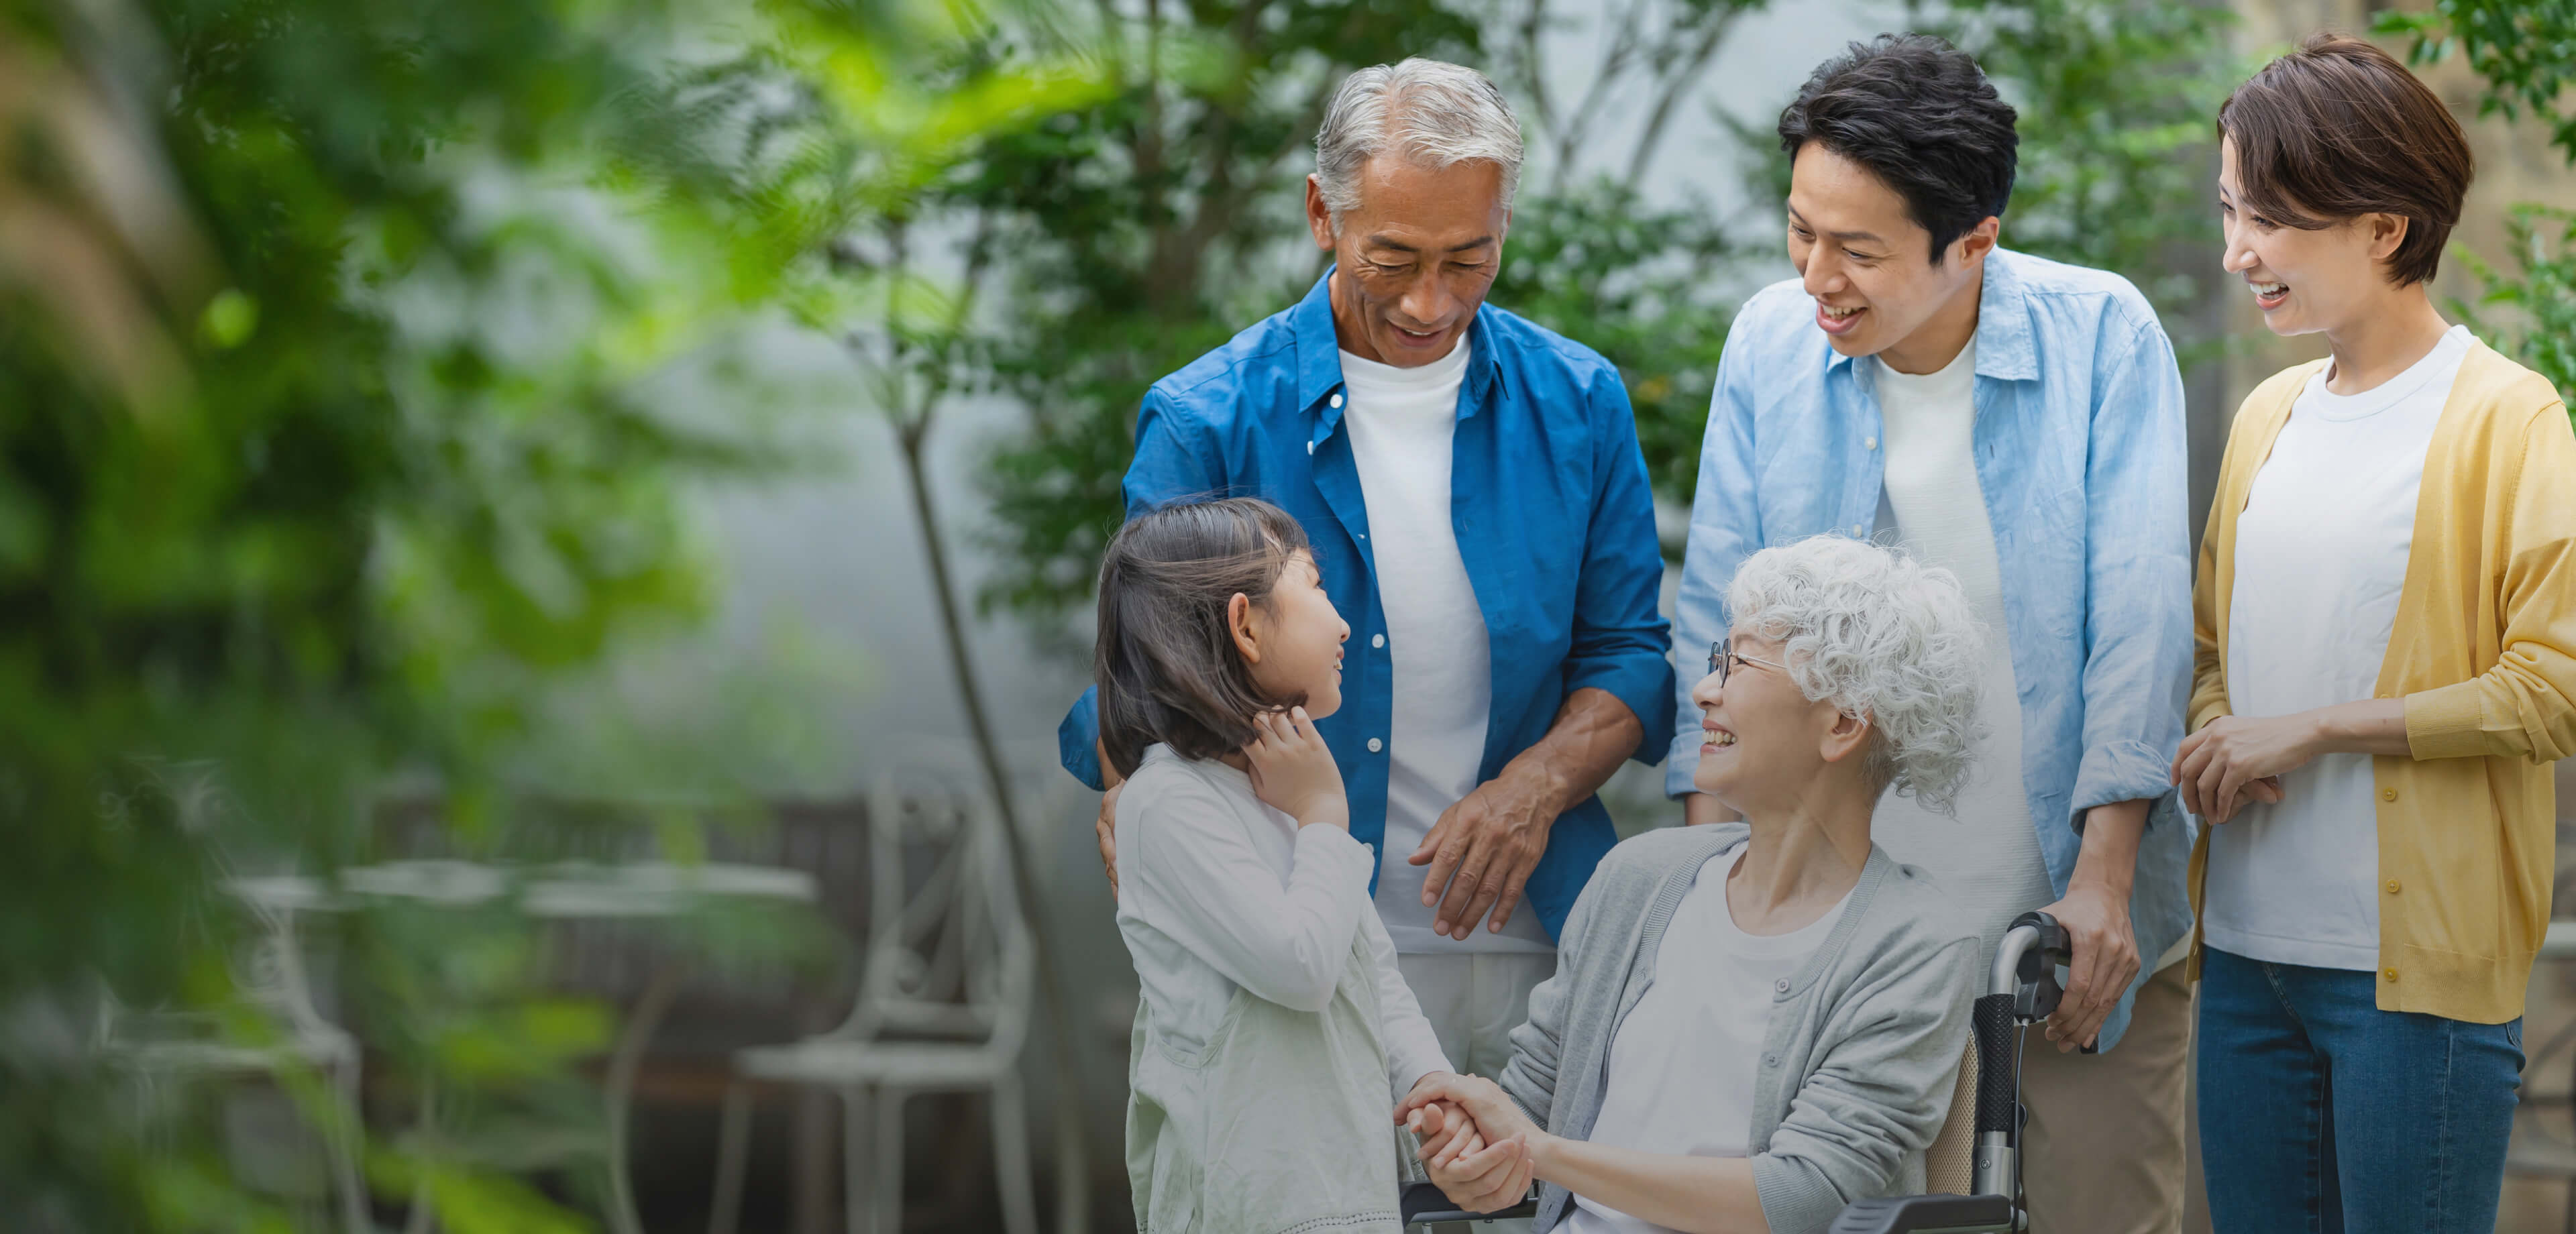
(1721, 657)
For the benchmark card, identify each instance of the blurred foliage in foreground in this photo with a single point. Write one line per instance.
(329, 449)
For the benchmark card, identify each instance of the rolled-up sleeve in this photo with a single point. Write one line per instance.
(1169, 465)
(1621, 642)
(1725, 528)
(2138, 585)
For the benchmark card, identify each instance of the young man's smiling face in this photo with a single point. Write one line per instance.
(1869, 265)
(1414, 257)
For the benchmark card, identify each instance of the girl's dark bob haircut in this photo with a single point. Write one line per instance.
(2339, 129)
(1165, 662)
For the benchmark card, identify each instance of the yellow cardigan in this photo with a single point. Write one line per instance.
(2484, 653)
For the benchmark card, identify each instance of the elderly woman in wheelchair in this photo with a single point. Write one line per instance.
(1756, 1024)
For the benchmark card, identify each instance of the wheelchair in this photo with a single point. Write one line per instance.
(2022, 989)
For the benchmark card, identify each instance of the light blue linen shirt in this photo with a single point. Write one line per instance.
(2080, 454)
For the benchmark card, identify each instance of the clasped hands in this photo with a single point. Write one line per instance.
(1477, 1144)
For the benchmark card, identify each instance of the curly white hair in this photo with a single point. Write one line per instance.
(1884, 638)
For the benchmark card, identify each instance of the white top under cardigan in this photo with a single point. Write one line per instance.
(2321, 551)
(1684, 1062)
(1217, 891)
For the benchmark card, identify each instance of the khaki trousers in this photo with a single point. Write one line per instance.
(2104, 1150)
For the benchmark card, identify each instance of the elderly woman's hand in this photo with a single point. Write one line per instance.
(1483, 1167)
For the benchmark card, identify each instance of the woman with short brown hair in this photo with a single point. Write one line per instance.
(2385, 620)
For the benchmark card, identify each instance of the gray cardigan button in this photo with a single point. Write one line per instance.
(1782, 985)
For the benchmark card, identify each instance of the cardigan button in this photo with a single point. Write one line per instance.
(1376, 745)
(1781, 986)
(2388, 794)
(1770, 1060)
(2389, 973)
(2392, 886)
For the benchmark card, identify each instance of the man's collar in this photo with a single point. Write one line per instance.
(1319, 351)
(2003, 325)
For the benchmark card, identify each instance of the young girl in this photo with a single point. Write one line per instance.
(1273, 1035)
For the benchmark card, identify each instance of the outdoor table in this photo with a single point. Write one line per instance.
(563, 891)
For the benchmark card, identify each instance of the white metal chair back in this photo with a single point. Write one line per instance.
(948, 951)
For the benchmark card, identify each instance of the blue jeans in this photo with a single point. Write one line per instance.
(2321, 1113)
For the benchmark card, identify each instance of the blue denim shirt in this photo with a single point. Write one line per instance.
(2079, 452)
(1554, 520)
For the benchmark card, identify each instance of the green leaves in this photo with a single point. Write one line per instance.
(1645, 287)
(2525, 49)
(2539, 293)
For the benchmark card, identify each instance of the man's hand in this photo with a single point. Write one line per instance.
(1108, 829)
(2096, 916)
(1483, 848)
(2095, 913)
(1482, 851)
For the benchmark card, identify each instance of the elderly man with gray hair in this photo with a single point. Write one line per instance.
(1479, 510)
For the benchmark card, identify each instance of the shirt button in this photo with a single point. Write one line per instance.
(2389, 973)
(1377, 640)
(1337, 400)
(2392, 886)
(1856, 529)
(1869, 443)
(2388, 794)
(1376, 745)
(1310, 447)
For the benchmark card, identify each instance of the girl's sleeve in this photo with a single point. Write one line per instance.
(1207, 887)
(1412, 1049)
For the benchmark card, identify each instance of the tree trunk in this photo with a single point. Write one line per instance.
(1073, 1179)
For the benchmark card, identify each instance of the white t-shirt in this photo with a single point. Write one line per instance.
(1400, 421)
(2321, 554)
(1683, 1063)
(1988, 856)
(1217, 891)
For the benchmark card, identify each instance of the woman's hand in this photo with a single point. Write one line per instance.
(1294, 773)
(1487, 1180)
(2235, 760)
(1436, 1122)
(1482, 1168)
(1497, 1116)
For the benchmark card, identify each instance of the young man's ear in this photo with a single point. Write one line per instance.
(1980, 240)
(1239, 623)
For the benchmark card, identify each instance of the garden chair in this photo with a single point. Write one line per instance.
(943, 1002)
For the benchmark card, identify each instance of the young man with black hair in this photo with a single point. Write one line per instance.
(2020, 423)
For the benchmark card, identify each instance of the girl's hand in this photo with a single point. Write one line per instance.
(1443, 1130)
(1293, 773)
(2235, 760)
(1498, 1117)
